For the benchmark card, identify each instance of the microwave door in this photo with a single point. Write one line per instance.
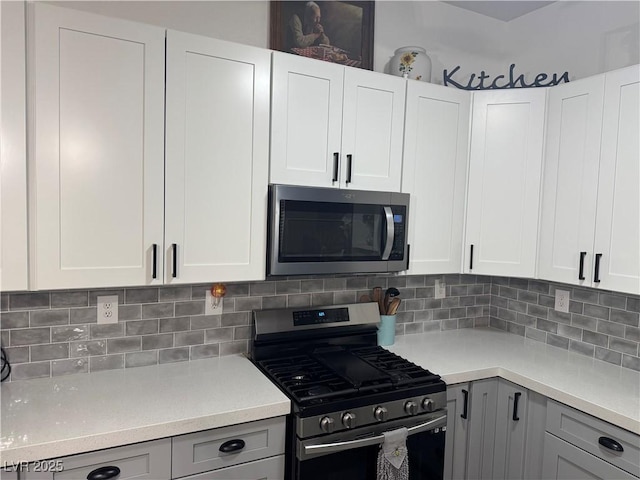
(390, 233)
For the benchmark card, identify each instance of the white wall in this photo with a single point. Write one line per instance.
(582, 37)
(244, 22)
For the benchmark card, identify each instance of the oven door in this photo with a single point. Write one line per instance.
(353, 455)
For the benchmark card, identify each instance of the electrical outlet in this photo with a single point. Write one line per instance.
(209, 308)
(108, 309)
(441, 289)
(562, 301)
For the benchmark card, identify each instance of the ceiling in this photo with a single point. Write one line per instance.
(504, 10)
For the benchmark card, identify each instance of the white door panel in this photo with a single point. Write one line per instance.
(574, 124)
(434, 174)
(504, 182)
(618, 215)
(306, 120)
(97, 201)
(217, 157)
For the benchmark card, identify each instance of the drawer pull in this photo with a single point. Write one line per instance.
(232, 446)
(104, 473)
(611, 444)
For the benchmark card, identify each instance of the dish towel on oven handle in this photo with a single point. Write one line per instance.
(393, 463)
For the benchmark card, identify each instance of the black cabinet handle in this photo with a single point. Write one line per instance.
(104, 473)
(465, 404)
(596, 275)
(471, 258)
(611, 444)
(232, 446)
(581, 272)
(408, 255)
(349, 165)
(154, 270)
(516, 399)
(174, 267)
(335, 167)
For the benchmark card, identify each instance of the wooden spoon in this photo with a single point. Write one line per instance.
(393, 306)
(377, 297)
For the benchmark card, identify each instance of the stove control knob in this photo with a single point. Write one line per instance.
(428, 404)
(349, 420)
(380, 414)
(411, 407)
(326, 424)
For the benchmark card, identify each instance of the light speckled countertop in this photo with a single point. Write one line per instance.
(606, 391)
(52, 417)
(48, 418)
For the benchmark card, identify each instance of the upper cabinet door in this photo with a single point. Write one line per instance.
(13, 178)
(504, 182)
(306, 121)
(617, 240)
(574, 122)
(434, 174)
(372, 130)
(217, 160)
(96, 169)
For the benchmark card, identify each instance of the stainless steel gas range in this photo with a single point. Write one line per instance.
(346, 392)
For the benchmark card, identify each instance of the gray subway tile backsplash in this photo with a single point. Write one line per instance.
(55, 333)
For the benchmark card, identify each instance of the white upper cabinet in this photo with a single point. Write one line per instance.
(217, 160)
(435, 174)
(306, 121)
(504, 182)
(335, 126)
(569, 194)
(96, 164)
(372, 130)
(590, 226)
(13, 177)
(617, 239)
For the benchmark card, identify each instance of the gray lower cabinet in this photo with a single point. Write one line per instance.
(495, 430)
(147, 460)
(266, 469)
(576, 440)
(482, 428)
(519, 437)
(249, 451)
(455, 461)
(568, 462)
(200, 452)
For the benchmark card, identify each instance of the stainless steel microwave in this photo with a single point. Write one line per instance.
(325, 230)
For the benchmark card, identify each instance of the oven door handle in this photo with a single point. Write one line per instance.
(324, 448)
(391, 233)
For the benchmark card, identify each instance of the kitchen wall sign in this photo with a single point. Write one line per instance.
(484, 82)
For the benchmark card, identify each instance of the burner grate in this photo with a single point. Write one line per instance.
(311, 380)
(402, 371)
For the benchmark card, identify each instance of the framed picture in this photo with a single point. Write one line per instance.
(339, 32)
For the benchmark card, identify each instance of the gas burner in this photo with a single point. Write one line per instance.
(298, 377)
(318, 390)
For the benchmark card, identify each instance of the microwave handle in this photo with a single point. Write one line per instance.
(390, 233)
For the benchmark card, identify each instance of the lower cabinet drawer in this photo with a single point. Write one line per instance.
(563, 461)
(148, 460)
(590, 433)
(213, 449)
(8, 475)
(265, 469)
